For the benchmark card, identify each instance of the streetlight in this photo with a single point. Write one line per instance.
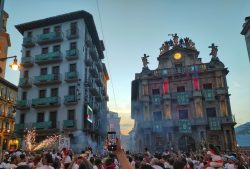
(14, 65)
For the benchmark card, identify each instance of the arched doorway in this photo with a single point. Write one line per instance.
(186, 143)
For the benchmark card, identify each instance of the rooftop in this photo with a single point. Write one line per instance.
(88, 18)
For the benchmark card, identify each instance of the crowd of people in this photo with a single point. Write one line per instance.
(209, 158)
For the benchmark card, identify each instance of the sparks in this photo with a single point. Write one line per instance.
(31, 145)
(30, 139)
(49, 142)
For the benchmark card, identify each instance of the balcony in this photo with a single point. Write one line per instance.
(94, 72)
(71, 76)
(167, 96)
(28, 42)
(98, 98)
(72, 33)
(106, 98)
(88, 83)
(96, 108)
(182, 98)
(208, 94)
(42, 125)
(228, 120)
(183, 70)
(19, 127)
(51, 37)
(47, 79)
(222, 91)
(70, 100)
(199, 121)
(197, 94)
(22, 104)
(185, 126)
(145, 125)
(46, 102)
(48, 58)
(93, 53)
(99, 82)
(27, 61)
(156, 99)
(88, 61)
(214, 123)
(93, 90)
(72, 54)
(69, 124)
(99, 66)
(24, 82)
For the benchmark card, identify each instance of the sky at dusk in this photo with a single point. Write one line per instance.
(134, 27)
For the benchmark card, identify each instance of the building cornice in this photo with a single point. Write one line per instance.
(8, 84)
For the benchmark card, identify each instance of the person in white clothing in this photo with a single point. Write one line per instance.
(22, 160)
(154, 163)
(217, 161)
(13, 163)
(47, 162)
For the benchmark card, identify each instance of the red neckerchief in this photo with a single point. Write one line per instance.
(212, 151)
(110, 166)
(99, 166)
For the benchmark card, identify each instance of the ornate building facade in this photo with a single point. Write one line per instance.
(246, 32)
(184, 103)
(8, 91)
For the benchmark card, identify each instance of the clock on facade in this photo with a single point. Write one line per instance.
(177, 56)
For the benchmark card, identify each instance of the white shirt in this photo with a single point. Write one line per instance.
(157, 167)
(67, 159)
(75, 166)
(10, 166)
(229, 166)
(21, 163)
(46, 167)
(167, 165)
(214, 156)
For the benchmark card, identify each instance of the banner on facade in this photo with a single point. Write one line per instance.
(185, 126)
(214, 123)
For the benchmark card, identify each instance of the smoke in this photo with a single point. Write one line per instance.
(81, 141)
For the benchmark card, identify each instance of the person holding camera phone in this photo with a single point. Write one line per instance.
(120, 154)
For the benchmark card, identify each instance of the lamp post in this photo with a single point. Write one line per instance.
(14, 65)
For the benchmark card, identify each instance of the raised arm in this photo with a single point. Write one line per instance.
(121, 156)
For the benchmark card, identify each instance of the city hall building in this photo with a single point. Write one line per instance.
(184, 103)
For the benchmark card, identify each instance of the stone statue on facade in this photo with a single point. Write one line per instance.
(175, 38)
(164, 47)
(145, 61)
(189, 43)
(214, 50)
